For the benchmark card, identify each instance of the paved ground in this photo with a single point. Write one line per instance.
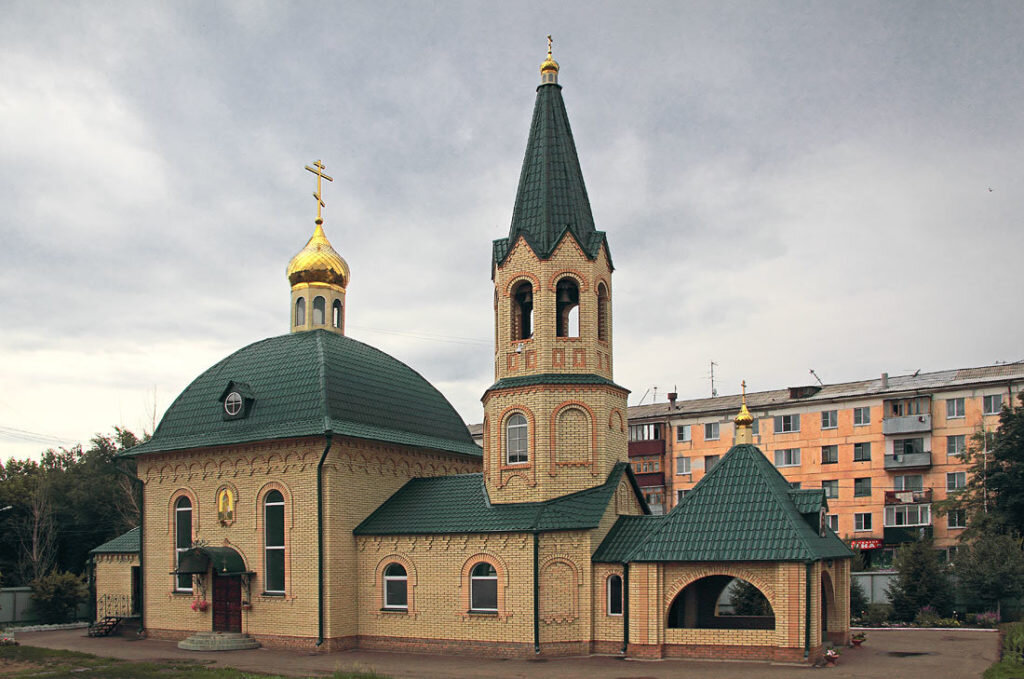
(907, 654)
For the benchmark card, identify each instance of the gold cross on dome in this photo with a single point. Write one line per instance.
(319, 172)
(549, 47)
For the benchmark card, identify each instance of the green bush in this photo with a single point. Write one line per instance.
(56, 596)
(858, 599)
(1004, 670)
(1013, 643)
(876, 615)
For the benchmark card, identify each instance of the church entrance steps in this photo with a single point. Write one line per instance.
(218, 641)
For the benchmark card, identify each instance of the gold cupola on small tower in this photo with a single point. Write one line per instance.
(549, 68)
(744, 421)
(318, 275)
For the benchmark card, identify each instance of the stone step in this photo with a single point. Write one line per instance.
(218, 641)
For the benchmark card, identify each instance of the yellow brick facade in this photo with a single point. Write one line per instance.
(112, 574)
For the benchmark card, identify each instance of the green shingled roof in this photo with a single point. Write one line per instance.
(459, 504)
(742, 510)
(129, 543)
(552, 198)
(306, 384)
(553, 378)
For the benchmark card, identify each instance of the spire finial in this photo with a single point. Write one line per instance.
(319, 172)
(744, 420)
(549, 69)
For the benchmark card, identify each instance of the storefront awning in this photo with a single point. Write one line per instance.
(224, 560)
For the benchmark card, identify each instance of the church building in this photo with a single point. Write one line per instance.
(310, 491)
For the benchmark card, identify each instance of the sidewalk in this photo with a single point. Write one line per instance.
(905, 653)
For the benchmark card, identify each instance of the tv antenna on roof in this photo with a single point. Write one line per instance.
(816, 377)
(714, 391)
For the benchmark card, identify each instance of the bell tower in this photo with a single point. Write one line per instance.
(318, 275)
(554, 421)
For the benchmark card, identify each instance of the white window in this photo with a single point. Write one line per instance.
(956, 480)
(829, 454)
(396, 587)
(954, 408)
(682, 465)
(991, 405)
(645, 432)
(956, 518)
(517, 439)
(711, 431)
(829, 419)
(182, 539)
(683, 433)
(709, 462)
(615, 595)
(273, 536)
(785, 424)
(862, 451)
(483, 588)
(833, 522)
(956, 445)
(787, 457)
(908, 515)
(861, 416)
(831, 488)
(862, 521)
(909, 482)
(862, 487)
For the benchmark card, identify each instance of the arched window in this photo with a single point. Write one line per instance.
(273, 535)
(603, 304)
(336, 313)
(483, 588)
(300, 311)
(182, 539)
(522, 311)
(721, 602)
(568, 308)
(517, 435)
(319, 310)
(615, 595)
(572, 435)
(396, 587)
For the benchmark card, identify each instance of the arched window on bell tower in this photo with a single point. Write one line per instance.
(319, 310)
(603, 308)
(522, 311)
(336, 314)
(568, 308)
(300, 312)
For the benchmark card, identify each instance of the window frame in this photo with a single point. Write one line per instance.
(861, 416)
(790, 457)
(386, 579)
(832, 521)
(829, 419)
(899, 482)
(786, 424)
(609, 601)
(889, 518)
(864, 454)
(269, 501)
(713, 459)
(832, 489)
(987, 404)
(685, 463)
(958, 449)
(861, 491)
(955, 408)
(712, 426)
(687, 435)
(474, 579)
(834, 458)
(958, 479)
(864, 526)
(522, 437)
(319, 307)
(960, 516)
(178, 548)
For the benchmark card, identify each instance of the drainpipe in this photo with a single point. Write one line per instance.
(625, 608)
(320, 539)
(807, 610)
(536, 592)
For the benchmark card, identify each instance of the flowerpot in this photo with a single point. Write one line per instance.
(856, 642)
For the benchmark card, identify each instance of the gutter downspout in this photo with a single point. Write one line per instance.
(328, 435)
(536, 593)
(807, 610)
(625, 608)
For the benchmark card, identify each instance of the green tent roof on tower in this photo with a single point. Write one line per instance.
(552, 198)
(742, 510)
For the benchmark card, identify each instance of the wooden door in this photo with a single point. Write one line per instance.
(227, 603)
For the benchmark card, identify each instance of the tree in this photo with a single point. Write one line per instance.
(920, 581)
(994, 497)
(56, 596)
(990, 569)
(746, 599)
(38, 534)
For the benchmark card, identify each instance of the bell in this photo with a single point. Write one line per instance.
(564, 297)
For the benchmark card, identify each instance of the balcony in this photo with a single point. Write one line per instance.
(652, 447)
(909, 424)
(898, 535)
(648, 479)
(908, 497)
(908, 460)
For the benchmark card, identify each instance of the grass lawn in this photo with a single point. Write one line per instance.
(27, 661)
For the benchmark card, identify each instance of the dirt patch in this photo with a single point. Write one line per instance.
(11, 667)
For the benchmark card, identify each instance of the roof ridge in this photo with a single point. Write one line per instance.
(786, 502)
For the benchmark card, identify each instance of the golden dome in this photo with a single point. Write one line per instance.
(744, 418)
(318, 262)
(549, 65)
(744, 422)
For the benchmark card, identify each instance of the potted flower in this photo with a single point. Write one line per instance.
(246, 606)
(200, 605)
(858, 639)
(831, 656)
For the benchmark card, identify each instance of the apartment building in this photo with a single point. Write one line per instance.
(884, 450)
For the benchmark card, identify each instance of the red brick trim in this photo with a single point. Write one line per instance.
(553, 454)
(581, 280)
(528, 470)
(518, 277)
(503, 582)
(410, 583)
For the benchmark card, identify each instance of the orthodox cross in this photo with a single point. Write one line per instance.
(319, 172)
(549, 47)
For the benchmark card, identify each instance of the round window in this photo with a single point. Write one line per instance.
(233, 403)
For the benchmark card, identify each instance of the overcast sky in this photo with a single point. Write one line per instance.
(784, 185)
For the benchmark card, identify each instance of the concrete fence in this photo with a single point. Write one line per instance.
(16, 607)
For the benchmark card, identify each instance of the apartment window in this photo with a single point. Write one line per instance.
(909, 482)
(956, 480)
(954, 408)
(829, 454)
(991, 405)
(956, 518)
(680, 494)
(956, 445)
(709, 462)
(833, 522)
(683, 433)
(831, 488)
(787, 457)
(711, 431)
(862, 451)
(785, 424)
(644, 432)
(829, 419)
(795, 485)
(647, 465)
(755, 427)
(682, 465)
(907, 446)
(862, 521)
(862, 487)
(908, 515)
(861, 416)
